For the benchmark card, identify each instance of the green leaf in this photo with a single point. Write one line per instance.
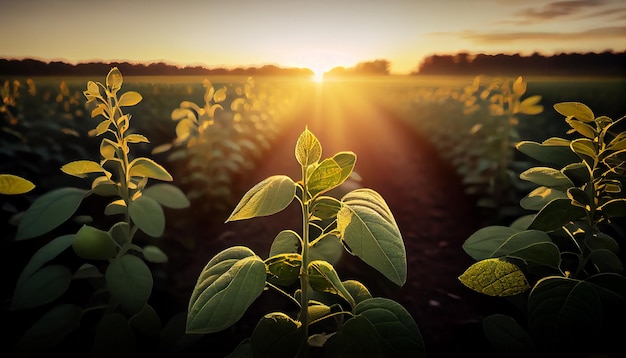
(154, 254)
(129, 98)
(357, 338)
(167, 195)
(276, 335)
(130, 282)
(484, 242)
(556, 214)
(325, 207)
(147, 168)
(266, 198)
(575, 109)
(394, 324)
(13, 184)
(148, 215)
(324, 177)
(308, 149)
(545, 176)
(357, 290)
(606, 261)
(554, 151)
(540, 196)
(368, 227)
(586, 150)
(582, 128)
(614, 208)
(327, 248)
(286, 242)
(563, 310)
(81, 168)
(94, 244)
(114, 80)
(50, 330)
(495, 277)
(283, 269)
(41, 287)
(226, 287)
(46, 253)
(324, 278)
(508, 337)
(49, 211)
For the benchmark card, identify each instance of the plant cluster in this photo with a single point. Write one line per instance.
(334, 317)
(560, 264)
(112, 262)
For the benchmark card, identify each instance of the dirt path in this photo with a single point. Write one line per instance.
(426, 197)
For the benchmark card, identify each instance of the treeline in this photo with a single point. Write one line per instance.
(572, 64)
(368, 68)
(30, 67)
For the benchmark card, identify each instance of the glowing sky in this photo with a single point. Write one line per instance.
(319, 34)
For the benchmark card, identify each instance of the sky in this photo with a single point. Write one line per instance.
(317, 34)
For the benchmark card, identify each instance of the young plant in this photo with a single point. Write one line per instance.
(562, 264)
(112, 260)
(338, 317)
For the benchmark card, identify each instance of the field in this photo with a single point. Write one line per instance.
(421, 142)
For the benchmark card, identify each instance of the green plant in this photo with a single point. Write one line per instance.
(112, 262)
(562, 264)
(339, 318)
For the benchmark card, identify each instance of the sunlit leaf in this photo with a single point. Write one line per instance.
(93, 244)
(276, 335)
(226, 287)
(108, 148)
(545, 176)
(324, 177)
(116, 207)
(357, 290)
(328, 248)
(129, 98)
(324, 278)
(148, 214)
(49, 211)
(81, 168)
(540, 196)
(583, 128)
(575, 109)
(286, 242)
(368, 227)
(495, 277)
(13, 184)
(114, 79)
(266, 198)
(554, 151)
(220, 95)
(283, 269)
(485, 241)
(148, 168)
(136, 138)
(167, 195)
(519, 86)
(130, 282)
(50, 330)
(104, 186)
(395, 325)
(308, 149)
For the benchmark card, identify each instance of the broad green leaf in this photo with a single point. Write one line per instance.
(49, 211)
(520, 241)
(129, 98)
(606, 261)
(495, 277)
(120, 233)
(545, 176)
(324, 177)
(50, 330)
(325, 207)
(167, 195)
(614, 208)
(563, 309)
(554, 151)
(13, 184)
(575, 109)
(283, 269)
(147, 168)
(94, 244)
(286, 242)
(154, 254)
(368, 227)
(508, 337)
(318, 311)
(484, 242)
(104, 186)
(537, 256)
(357, 290)
(226, 287)
(46, 253)
(324, 278)
(116, 207)
(114, 80)
(129, 280)
(266, 198)
(583, 128)
(555, 214)
(148, 214)
(347, 161)
(41, 287)
(540, 196)
(276, 335)
(81, 168)
(308, 149)
(394, 324)
(356, 338)
(585, 149)
(114, 337)
(328, 249)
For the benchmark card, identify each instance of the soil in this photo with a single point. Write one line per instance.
(428, 201)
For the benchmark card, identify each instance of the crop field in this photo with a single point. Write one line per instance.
(218, 136)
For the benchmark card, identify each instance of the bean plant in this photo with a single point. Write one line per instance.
(338, 318)
(113, 262)
(561, 264)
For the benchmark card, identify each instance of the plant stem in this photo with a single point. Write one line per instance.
(304, 275)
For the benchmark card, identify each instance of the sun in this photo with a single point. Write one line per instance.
(318, 76)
